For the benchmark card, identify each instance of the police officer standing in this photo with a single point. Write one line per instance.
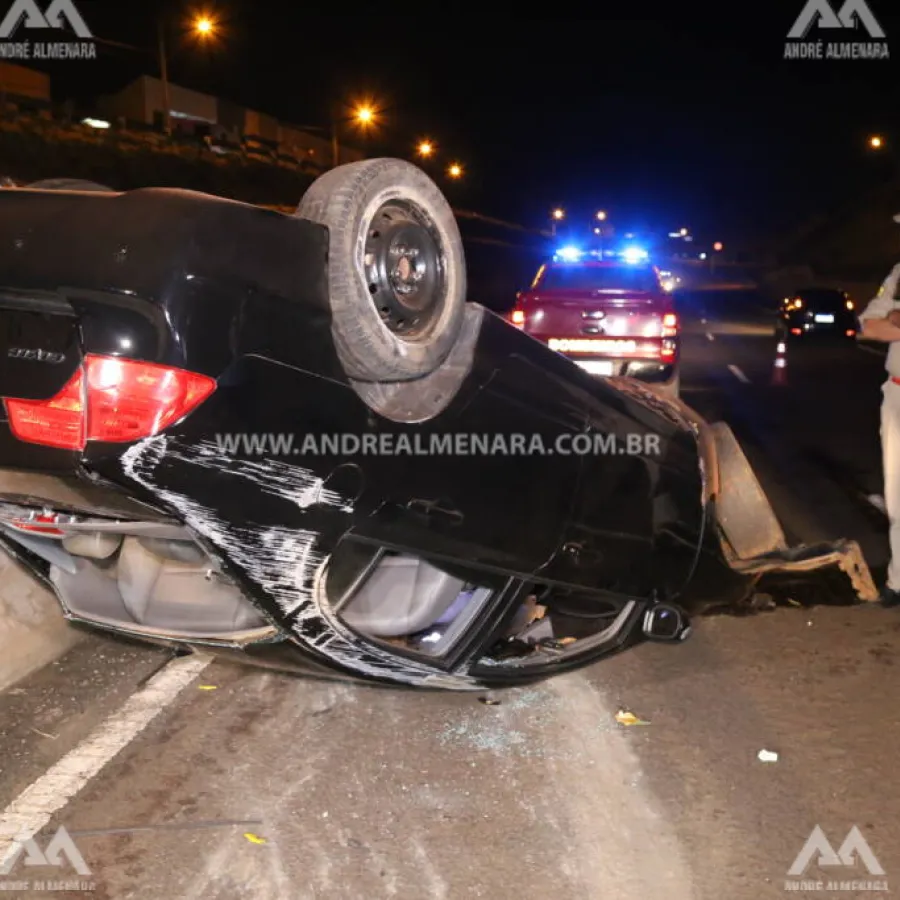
(881, 322)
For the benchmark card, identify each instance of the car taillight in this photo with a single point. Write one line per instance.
(667, 350)
(40, 523)
(57, 422)
(517, 317)
(670, 325)
(109, 399)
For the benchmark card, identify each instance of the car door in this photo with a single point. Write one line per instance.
(637, 517)
(500, 496)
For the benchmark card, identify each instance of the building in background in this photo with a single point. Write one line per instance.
(192, 112)
(19, 83)
(142, 102)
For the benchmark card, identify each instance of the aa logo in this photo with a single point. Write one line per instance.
(819, 851)
(61, 845)
(57, 11)
(820, 13)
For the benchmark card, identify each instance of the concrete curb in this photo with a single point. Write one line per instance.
(33, 631)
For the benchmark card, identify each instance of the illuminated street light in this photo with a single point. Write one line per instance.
(455, 170)
(876, 142)
(601, 215)
(683, 232)
(425, 148)
(364, 115)
(204, 26)
(717, 246)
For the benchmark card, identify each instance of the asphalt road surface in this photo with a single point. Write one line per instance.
(218, 782)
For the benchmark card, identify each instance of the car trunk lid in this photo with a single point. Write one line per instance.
(39, 344)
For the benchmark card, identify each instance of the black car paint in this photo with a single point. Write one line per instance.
(239, 294)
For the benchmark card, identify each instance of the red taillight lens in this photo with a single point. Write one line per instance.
(128, 400)
(57, 422)
(670, 325)
(111, 399)
(517, 317)
(42, 523)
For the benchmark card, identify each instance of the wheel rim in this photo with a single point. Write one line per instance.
(404, 269)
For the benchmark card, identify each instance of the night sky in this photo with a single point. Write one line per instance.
(687, 120)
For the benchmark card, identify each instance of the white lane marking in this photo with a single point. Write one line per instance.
(36, 805)
(738, 374)
(874, 350)
(878, 502)
(710, 336)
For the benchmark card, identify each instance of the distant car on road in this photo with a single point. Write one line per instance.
(612, 316)
(819, 311)
(670, 281)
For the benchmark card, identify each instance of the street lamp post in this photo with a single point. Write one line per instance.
(203, 27)
(164, 78)
(557, 215)
(363, 115)
(335, 140)
(599, 230)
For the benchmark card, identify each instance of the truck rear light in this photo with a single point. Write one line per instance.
(670, 325)
(517, 317)
(667, 350)
(109, 399)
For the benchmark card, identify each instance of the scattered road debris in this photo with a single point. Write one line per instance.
(767, 756)
(624, 717)
(254, 838)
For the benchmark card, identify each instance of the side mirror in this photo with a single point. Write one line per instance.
(666, 623)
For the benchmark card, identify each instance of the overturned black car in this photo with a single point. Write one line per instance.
(291, 438)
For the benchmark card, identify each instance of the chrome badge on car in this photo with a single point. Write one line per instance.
(36, 355)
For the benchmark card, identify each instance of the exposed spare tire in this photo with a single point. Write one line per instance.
(396, 268)
(68, 184)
